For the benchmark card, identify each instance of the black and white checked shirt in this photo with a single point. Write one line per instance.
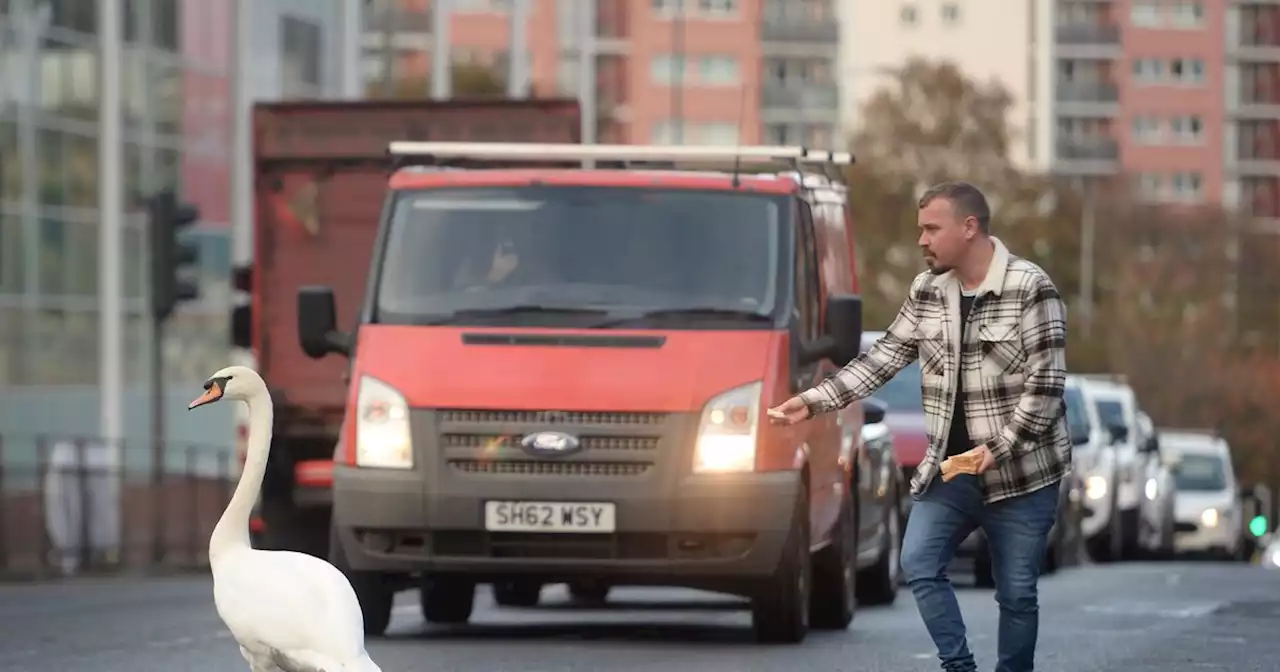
(1013, 360)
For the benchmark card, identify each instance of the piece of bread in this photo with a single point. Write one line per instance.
(964, 463)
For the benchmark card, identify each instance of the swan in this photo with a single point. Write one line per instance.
(288, 611)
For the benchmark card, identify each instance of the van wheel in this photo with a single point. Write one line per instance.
(589, 592)
(373, 591)
(517, 593)
(780, 607)
(447, 600)
(835, 576)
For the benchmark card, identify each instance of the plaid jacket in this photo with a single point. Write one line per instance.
(1014, 363)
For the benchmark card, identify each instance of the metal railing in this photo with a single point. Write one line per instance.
(1088, 34)
(786, 30)
(71, 505)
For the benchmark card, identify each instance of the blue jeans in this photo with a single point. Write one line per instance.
(1017, 531)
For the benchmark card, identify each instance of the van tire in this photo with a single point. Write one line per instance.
(780, 605)
(447, 599)
(373, 590)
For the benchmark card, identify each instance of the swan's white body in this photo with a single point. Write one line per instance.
(290, 612)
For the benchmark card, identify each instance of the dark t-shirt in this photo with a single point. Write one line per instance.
(958, 440)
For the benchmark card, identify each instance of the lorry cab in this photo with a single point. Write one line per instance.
(559, 374)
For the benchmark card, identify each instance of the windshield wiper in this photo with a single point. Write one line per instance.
(695, 312)
(521, 309)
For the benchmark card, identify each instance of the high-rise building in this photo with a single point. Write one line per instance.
(667, 71)
(176, 91)
(1005, 41)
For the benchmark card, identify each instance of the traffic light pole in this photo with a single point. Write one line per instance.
(159, 519)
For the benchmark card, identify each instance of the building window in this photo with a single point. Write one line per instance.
(718, 71)
(717, 134)
(301, 60)
(1146, 130)
(718, 9)
(666, 69)
(1150, 186)
(1186, 187)
(1146, 14)
(1187, 14)
(1187, 130)
(1148, 70)
(909, 15)
(1187, 70)
(950, 13)
(777, 134)
(668, 133)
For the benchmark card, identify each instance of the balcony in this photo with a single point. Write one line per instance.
(1086, 33)
(1098, 155)
(808, 32)
(799, 101)
(1088, 99)
(1088, 41)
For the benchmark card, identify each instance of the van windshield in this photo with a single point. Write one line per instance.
(569, 255)
(1077, 417)
(1201, 473)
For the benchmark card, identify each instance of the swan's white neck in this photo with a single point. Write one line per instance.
(232, 530)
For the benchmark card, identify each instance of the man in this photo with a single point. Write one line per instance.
(989, 329)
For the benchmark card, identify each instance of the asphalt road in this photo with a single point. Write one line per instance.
(1130, 618)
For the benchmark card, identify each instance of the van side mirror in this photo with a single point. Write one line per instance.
(1079, 438)
(1119, 433)
(318, 323)
(873, 411)
(1151, 445)
(843, 322)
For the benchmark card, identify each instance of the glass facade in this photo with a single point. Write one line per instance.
(175, 109)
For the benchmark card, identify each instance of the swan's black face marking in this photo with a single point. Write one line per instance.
(213, 390)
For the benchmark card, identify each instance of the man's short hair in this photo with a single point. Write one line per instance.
(967, 200)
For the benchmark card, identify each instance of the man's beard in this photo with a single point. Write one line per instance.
(934, 267)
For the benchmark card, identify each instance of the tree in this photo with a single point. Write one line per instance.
(933, 124)
(469, 81)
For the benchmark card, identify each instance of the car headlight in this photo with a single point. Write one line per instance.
(1152, 488)
(1274, 558)
(727, 431)
(1095, 487)
(382, 427)
(1209, 517)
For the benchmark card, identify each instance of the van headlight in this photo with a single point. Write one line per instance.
(1210, 517)
(727, 431)
(382, 427)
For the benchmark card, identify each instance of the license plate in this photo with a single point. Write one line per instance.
(591, 517)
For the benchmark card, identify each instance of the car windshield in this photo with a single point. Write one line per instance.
(572, 253)
(1077, 417)
(902, 392)
(1111, 414)
(1201, 473)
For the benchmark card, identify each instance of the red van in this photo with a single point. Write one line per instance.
(559, 375)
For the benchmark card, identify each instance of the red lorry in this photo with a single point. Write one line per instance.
(331, 158)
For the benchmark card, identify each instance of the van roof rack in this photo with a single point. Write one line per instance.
(625, 157)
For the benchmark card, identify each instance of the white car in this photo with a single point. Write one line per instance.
(1210, 514)
(1094, 458)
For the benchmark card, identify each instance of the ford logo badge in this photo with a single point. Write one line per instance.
(550, 443)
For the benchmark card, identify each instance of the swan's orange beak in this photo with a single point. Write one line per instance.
(212, 393)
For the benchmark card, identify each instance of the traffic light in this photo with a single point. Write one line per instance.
(170, 256)
(1258, 526)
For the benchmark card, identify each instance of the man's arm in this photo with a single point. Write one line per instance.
(869, 371)
(1044, 338)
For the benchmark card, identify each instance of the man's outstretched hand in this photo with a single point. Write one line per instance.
(789, 412)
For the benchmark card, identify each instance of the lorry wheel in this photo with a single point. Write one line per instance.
(589, 592)
(374, 593)
(834, 598)
(879, 584)
(517, 593)
(447, 600)
(780, 606)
